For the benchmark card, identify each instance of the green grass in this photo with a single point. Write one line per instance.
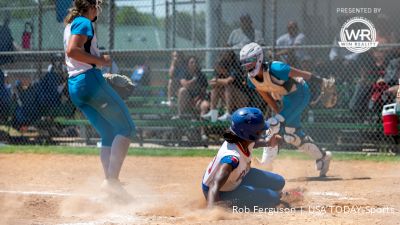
(186, 152)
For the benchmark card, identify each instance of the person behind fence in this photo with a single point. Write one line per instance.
(370, 85)
(192, 94)
(39, 97)
(229, 179)
(48, 95)
(245, 34)
(26, 37)
(338, 53)
(226, 85)
(7, 41)
(277, 81)
(90, 92)
(342, 63)
(5, 98)
(177, 70)
(293, 37)
(27, 109)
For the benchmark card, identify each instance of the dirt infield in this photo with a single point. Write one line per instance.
(64, 189)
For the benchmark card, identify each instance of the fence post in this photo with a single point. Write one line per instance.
(166, 24)
(263, 18)
(212, 11)
(173, 23)
(274, 24)
(111, 20)
(40, 35)
(193, 23)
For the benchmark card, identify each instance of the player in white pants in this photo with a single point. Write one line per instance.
(278, 81)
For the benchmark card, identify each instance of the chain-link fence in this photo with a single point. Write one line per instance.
(183, 57)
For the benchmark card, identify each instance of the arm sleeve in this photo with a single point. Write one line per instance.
(280, 70)
(82, 26)
(300, 39)
(230, 39)
(231, 160)
(279, 41)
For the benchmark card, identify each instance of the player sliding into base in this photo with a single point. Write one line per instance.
(229, 177)
(276, 81)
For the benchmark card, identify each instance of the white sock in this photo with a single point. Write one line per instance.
(105, 159)
(119, 149)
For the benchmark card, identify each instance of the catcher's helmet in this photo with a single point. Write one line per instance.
(248, 123)
(251, 58)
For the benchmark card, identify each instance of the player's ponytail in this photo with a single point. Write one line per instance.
(79, 8)
(231, 137)
(72, 14)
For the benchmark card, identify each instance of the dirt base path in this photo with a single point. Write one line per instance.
(64, 189)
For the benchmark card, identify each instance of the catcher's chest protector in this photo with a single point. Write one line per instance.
(267, 85)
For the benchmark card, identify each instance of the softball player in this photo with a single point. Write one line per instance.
(229, 177)
(89, 91)
(278, 81)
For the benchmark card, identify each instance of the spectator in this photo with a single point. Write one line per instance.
(339, 54)
(49, 94)
(176, 71)
(226, 85)
(391, 79)
(295, 57)
(27, 109)
(192, 94)
(371, 85)
(5, 98)
(7, 42)
(245, 34)
(343, 64)
(27, 36)
(392, 72)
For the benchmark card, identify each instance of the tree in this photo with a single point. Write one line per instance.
(18, 13)
(184, 26)
(131, 16)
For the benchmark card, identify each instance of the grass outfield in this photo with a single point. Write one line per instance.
(186, 152)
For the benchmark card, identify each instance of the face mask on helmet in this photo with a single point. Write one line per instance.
(251, 58)
(249, 64)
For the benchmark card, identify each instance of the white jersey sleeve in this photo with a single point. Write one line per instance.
(228, 153)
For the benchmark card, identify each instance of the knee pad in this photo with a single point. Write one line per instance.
(275, 123)
(290, 137)
(310, 148)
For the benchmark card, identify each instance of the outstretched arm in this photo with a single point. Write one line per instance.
(294, 72)
(219, 180)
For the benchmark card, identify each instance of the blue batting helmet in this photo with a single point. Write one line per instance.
(248, 123)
